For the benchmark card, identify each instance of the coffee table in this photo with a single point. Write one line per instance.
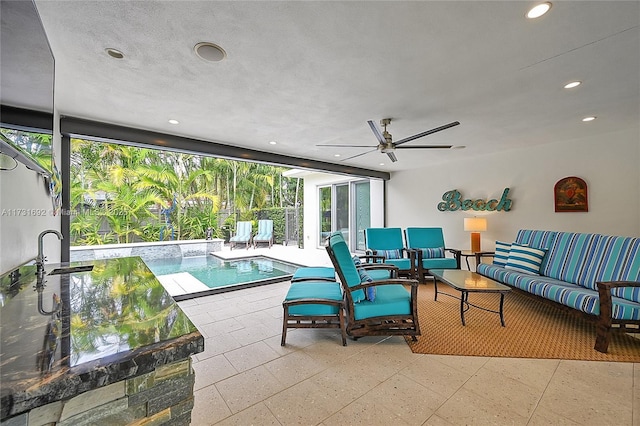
(469, 282)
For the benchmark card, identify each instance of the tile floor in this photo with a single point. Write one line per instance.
(245, 377)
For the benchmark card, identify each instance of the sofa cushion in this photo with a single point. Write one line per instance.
(391, 299)
(569, 256)
(537, 239)
(525, 259)
(502, 253)
(572, 295)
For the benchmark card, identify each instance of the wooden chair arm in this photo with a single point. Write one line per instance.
(391, 281)
(603, 326)
(310, 300)
(614, 284)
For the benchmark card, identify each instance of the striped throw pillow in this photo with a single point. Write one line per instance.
(501, 254)
(391, 254)
(525, 259)
(432, 253)
(370, 292)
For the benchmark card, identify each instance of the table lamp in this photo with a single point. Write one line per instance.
(475, 225)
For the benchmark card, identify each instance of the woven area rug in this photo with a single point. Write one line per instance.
(534, 329)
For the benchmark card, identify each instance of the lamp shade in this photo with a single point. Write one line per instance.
(475, 224)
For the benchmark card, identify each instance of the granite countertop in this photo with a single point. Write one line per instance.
(69, 333)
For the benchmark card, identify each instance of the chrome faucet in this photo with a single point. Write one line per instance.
(41, 257)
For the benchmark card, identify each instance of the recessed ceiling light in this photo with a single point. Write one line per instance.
(336, 155)
(572, 84)
(590, 118)
(114, 53)
(538, 10)
(273, 143)
(381, 164)
(209, 52)
(172, 121)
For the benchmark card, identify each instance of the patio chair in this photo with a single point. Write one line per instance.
(243, 235)
(390, 309)
(388, 243)
(264, 234)
(430, 251)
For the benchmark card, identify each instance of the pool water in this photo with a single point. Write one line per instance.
(215, 272)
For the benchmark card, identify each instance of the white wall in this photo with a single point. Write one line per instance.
(23, 197)
(610, 166)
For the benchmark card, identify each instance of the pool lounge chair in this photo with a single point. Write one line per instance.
(243, 235)
(265, 233)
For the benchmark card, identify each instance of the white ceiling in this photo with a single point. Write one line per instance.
(313, 72)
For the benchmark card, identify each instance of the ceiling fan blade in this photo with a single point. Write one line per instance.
(392, 156)
(424, 147)
(428, 132)
(376, 132)
(358, 155)
(349, 146)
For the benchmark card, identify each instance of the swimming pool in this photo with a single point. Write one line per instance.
(189, 277)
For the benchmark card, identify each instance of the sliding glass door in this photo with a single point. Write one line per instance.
(346, 208)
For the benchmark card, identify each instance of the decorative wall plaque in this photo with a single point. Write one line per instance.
(570, 195)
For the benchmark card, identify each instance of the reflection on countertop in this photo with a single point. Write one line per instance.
(73, 332)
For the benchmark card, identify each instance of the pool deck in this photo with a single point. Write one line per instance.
(181, 285)
(290, 254)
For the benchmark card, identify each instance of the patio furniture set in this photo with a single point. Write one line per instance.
(595, 275)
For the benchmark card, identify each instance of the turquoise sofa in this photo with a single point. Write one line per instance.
(596, 274)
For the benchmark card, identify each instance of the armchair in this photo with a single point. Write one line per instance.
(393, 310)
(265, 233)
(429, 250)
(387, 242)
(243, 235)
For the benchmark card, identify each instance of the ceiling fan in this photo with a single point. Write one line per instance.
(387, 146)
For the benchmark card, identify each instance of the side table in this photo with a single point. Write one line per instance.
(476, 254)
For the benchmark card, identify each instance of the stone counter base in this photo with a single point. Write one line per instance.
(161, 397)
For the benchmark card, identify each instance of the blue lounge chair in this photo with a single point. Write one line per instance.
(243, 235)
(265, 233)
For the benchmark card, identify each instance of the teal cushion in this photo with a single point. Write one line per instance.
(390, 300)
(313, 290)
(501, 254)
(343, 261)
(525, 259)
(442, 263)
(314, 272)
(433, 252)
(402, 264)
(379, 274)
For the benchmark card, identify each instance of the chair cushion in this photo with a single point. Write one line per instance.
(344, 263)
(501, 254)
(441, 263)
(390, 300)
(390, 254)
(525, 259)
(314, 272)
(402, 264)
(432, 252)
(314, 290)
